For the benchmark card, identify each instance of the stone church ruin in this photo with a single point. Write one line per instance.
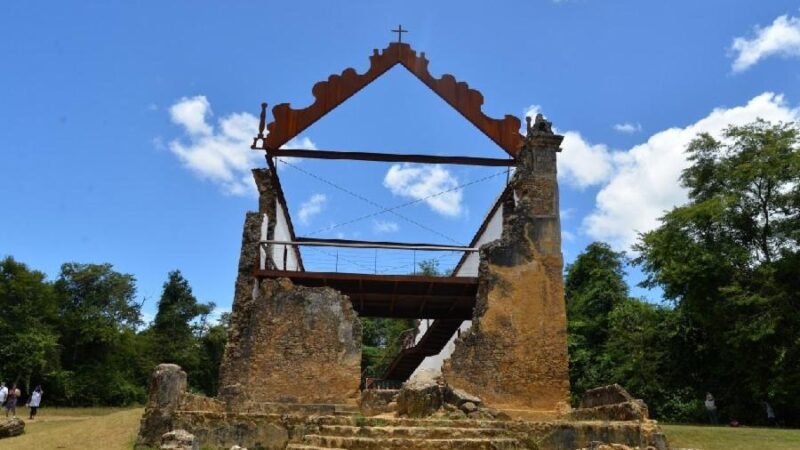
(495, 327)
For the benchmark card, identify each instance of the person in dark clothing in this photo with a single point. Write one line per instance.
(11, 400)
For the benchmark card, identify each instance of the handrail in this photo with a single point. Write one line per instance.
(404, 335)
(368, 244)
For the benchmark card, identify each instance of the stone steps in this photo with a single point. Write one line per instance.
(310, 447)
(367, 443)
(407, 422)
(389, 432)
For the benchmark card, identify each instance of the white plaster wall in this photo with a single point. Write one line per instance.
(282, 234)
(493, 231)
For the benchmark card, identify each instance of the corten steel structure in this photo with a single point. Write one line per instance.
(516, 300)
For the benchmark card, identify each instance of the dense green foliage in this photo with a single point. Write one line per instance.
(614, 338)
(81, 336)
(728, 264)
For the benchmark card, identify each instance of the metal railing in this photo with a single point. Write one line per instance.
(406, 339)
(383, 258)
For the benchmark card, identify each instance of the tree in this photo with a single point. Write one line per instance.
(212, 349)
(593, 287)
(728, 259)
(29, 348)
(97, 328)
(179, 322)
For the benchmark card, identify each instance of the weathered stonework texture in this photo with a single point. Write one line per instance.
(515, 355)
(167, 386)
(286, 343)
(292, 344)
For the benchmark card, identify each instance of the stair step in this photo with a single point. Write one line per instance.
(407, 422)
(310, 447)
(366, 443)
(412, 432)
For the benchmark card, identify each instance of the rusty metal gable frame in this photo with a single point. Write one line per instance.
(288, 122)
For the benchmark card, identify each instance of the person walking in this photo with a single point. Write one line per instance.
(11, 400)
(711, 407)
(35, 401)
(770, 413)
(3, 393)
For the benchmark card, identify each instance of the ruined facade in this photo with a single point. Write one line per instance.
(291, 373)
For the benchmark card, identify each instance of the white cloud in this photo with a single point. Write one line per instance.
(380, 226)
(311, 208)
(424, 182)
(582, 164)
(221, 154)
(645, 180)
(780, 38)
(532, 111)
(628, 127)
(191, 114)
(302, 143)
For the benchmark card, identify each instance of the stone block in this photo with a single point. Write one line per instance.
(179, 440)
(167, 386)
(377, 401)
(421, 396)
(605, 395)
(11, 427)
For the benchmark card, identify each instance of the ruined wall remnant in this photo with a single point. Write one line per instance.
(286, 343)
(292, 344)
(167, 386)
(515, 355)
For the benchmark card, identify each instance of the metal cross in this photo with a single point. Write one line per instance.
(400, 32)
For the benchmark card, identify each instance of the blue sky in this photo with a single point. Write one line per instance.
(124, 124)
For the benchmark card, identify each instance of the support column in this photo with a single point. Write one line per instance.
(239, 349)
(515, 355)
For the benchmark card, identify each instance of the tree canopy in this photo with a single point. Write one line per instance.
(728, 261)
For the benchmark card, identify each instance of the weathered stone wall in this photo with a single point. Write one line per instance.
(286, 343)
(292, 344)
(515, 355)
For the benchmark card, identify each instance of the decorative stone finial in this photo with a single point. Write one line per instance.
(540, 126)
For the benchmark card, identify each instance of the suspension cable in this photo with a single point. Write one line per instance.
(384, 209)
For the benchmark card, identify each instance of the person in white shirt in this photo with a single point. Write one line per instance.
(3, 393)
(711, 407)
(35, 401)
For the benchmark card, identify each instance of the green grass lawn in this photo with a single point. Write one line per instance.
(77, 429)
(727, 438)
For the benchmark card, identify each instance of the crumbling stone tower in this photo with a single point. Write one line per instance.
(515, 354)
